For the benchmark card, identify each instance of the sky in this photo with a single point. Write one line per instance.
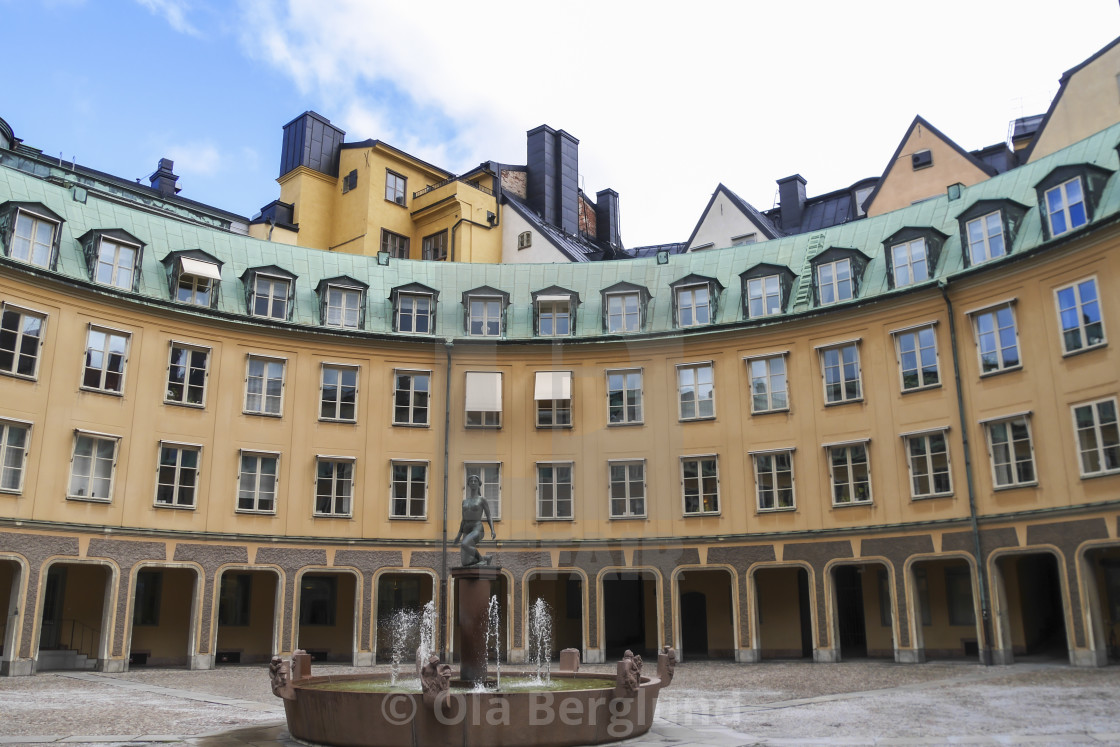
(667, 99)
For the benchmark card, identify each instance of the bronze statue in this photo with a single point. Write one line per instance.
(435, 680)
(471, 530)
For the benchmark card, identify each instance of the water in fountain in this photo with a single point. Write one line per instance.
(493, 633)
(427, 632)
(540, 639)
(409, 629)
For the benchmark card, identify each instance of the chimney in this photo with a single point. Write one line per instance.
(553, 166)
(311, 140)
(164, 180)
(606, 219)
(791, 200)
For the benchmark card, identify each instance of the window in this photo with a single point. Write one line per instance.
(627, 488)
(414, 313)
(270, 296)
(116, 264)
(769, 392)
(624, 313)
(485, 316)
(997, 341)
(350, 181)
(256, 482)
(747, 238)
(434, 247)
(1079, 313)
(395, 187)
(342, 307)
(524, 239)
(909, 262)
(841, 372)
(958, 595)
(917, 357)
(985, 238)
(927, 455)
(773, 479)
(554, 316)
(15, 440)
(700, 485)
(334, 486)
(553, 396)
(554, 490)
(409, 490)
(764, 296)
(106, 356)
(1011, 452)
(33, 239)
(850, 474)
(490, 475)
(338, 393)
(693, 306)
(624, 397)
(395, 244)
(411, 395)
(21, 337)
(318, 600)
(187, 371)
(234, 599)
(1065, 207)
(149, 591)
(177, 475)
(484, 399)
(834, 281)
(196, 281)
(696, 391)
(264, 385)
(92, 466)
(1098, 440)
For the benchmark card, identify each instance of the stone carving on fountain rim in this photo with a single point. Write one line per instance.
(628, 677)
(435, 682)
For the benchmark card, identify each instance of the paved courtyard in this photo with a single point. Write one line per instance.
(709, 703)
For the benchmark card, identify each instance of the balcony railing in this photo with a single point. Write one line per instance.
(445, 182)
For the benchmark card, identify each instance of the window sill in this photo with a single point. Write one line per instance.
(778, 510)
(87, 499)
(696, 420)
(1016, 486)
(332, 516)
(1079, 351)
(394, 202)
(916, 389)
(770, 412)
(276, 415)
(25, 377)
(173, 506)
(636, 517)
(254, 512)
(10, 491)
(1102, 473)
(550, 519)
(931, 496)
(395, 425)
(844, 402)
(340, 421)
(266, 316)
(483, 427)
(555, 427)
(849, 504)
(699, 514)
(626, 425)
(110, 392)
(408, 518)
(999, 371)
(190, 405)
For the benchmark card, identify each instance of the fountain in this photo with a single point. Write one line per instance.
(564, 708)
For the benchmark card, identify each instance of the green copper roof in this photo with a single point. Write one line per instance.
(163, 234)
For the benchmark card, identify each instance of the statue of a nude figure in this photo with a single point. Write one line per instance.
(471, 530)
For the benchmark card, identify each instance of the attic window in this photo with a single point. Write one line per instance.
(341, 302)
(196, 281)
(922, 159)
(747, 238)
(837, 273)
(912, 254)
(1068, 196)
(113, 257)
(555, 311)
(30, 232)
(269, 292)
(350, 181)
(524, 240)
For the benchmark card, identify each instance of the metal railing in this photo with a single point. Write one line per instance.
(69, 635)
(445, 182)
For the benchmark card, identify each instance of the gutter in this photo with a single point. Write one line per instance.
(443, 616)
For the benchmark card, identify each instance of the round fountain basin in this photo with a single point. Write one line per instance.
(365, 710)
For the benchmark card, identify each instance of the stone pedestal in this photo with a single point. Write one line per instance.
(473, 601)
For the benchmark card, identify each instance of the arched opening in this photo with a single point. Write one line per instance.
(499, 588)
(784, 622)
(73, 619)
(400, 592)
(1036, 611)
(326, 615)
(563, 592)
(630, 613)
(863, 611)
(162, 603)
(706, 614)
(246, 616)
(1104, 565)
(946, 609)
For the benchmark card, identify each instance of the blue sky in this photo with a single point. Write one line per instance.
(667, 100)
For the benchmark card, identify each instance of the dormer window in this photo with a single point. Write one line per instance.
(985, 238)
(988, 229)
(624, 308)
(695, 300)
(30, 231)
(112, 257)
(485, 311)
(836, 275)
(269, 292)
(342, 302)
(1068, 197)
(554, 311)
(912, 255)
(193, 277)
(766, 288)
(414, 308)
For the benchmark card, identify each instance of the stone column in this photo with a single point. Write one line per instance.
(473, 600)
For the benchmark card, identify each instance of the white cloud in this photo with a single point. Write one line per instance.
(195, 159)
(174, 12)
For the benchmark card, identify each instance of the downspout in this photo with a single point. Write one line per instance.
(981, 573)
(443, 616)
(454, 228)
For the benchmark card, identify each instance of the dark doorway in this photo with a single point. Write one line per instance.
(326, 616)
(1041, 608)
(50, 632)
(694, 624)
(785, 628)
(161, 617)
(246, 617)
(849, 609)
(563, 593)
(629, 603)
(73, 617)
(401, 596)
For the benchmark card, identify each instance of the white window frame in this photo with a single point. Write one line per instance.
(835, 283)
(773, 474)
(263, 394)
(769, 377)
(925, 460)
(998, 351)
(491, 489)
(697, 401)
(178, 468)
(342, 309)
(337, 403)
(114, 264)
(763, 290)
(109, 333)
(554, 309)
(980, 249)
(918, 352)
(188, 369)
(411, 393)
(1102, 452)
(255, 493)
(699, 312)
(413, 313)
(484, 319)
(624, 326)
(627, 498)
(482, 418)
(1012, 463)
(1065, 206)
(408, 497)
(844, 397)
(32, 242)
(911, 260)
(851, 484)
(195, 283)
(558, 409)
(624, 391)
(20, 336)
(1079, 305)
(396, 188)
(274, 282)
(555, 515)
(8, 464)
(335, 481)
(95, 439)
(699, 459)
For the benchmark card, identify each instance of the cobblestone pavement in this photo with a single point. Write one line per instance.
(709, 703)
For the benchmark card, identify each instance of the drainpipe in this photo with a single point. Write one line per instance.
(981, 572)
(443, 616)
(454, 228)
